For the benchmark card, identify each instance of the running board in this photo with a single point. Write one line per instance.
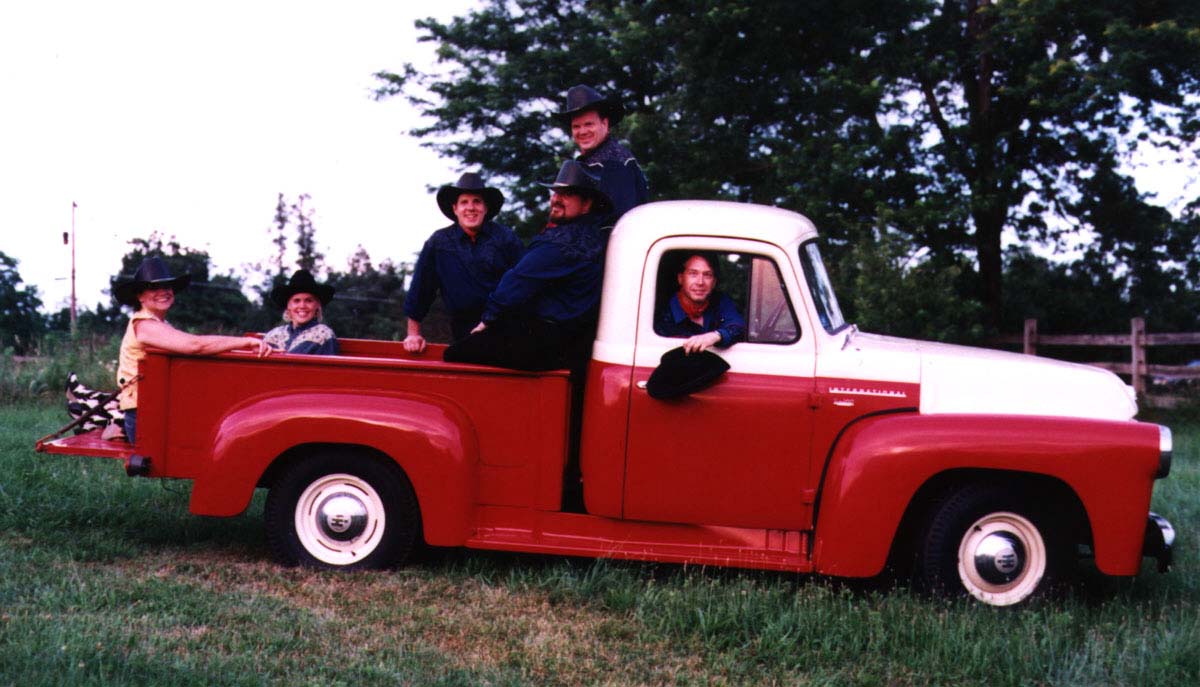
(569, 534)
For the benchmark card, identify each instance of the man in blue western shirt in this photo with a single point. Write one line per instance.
(589, 118)
(463, 261)
(542, 315)
(697, 312)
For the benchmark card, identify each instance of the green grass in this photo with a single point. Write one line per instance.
(107, 580)
(42, 375)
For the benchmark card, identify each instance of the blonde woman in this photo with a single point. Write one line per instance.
(302, 300)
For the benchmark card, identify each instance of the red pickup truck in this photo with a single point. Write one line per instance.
(822, 449)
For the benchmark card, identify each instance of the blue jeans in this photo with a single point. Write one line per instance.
(130, 423)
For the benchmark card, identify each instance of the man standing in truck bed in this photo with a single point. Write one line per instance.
(589, 118)
(463, 261)
(542, 315)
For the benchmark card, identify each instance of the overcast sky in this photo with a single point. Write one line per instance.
(190, 118)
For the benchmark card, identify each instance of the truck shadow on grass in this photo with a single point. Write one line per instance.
(610, 580)
(617, 584)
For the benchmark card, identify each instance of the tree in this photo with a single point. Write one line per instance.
(369, 300)
(894, 290)
(103, 322)
(279, 237)
(21, 322)
(308, 258)
(946, 123)
(1035, 103)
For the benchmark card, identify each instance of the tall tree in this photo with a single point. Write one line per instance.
(277, 271)
(307, 255)
(944, 122)
(21, 322)
(279, 236)
(1033, 104)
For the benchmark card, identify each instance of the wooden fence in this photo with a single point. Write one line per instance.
(1137, 370)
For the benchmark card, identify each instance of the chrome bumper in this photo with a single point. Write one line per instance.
(1160, 541)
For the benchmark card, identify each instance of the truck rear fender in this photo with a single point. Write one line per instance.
(432, 440)
(881, 468)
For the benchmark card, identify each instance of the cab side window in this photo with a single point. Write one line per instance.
(752, 282)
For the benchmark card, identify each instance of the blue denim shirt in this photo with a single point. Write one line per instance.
(558, 279)
(620, 177)
(720, 316)
(464, 271)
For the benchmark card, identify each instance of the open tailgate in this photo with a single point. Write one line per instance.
(87, 444)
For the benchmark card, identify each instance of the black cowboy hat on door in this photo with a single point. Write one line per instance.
(680, 373)
(153, 273)
(469, 183)
(582, 98)
(573, 177)
(302, 281)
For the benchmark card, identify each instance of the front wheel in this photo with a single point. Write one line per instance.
(339, 511)
(982, 541)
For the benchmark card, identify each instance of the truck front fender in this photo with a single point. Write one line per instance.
(880, 463)
(431, 439)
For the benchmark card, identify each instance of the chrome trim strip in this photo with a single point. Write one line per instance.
(889, 393)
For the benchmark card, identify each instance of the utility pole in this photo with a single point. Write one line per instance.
(73, 206)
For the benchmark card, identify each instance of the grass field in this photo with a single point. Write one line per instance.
(107, 580)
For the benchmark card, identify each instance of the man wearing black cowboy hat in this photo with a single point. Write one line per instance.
(542, 315)
(589, 118)
(463, 261)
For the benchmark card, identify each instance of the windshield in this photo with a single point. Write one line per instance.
(822, 291)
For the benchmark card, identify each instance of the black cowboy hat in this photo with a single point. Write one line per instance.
(582, 98)
(469, 183)
(152, 273)
(572, 176)
(680, 373)
(301, 282)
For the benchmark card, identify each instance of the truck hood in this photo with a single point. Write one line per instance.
(960, 379)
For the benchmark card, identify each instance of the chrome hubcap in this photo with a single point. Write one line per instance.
(342, 517)
(999, 557)
(1002, 558)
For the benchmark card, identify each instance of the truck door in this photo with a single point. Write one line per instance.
(735, 453)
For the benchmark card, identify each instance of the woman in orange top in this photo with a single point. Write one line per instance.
(152, 292)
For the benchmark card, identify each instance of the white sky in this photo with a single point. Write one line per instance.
(190, 118)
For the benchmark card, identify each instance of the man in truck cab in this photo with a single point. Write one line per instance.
(698, 312)
(588, 118)
(463, 261)
(542, 315)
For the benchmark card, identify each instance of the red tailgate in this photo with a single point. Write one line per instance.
(87, 444)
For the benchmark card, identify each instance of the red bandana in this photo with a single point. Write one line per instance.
(693, 311)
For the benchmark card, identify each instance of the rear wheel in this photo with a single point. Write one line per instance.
(983, 541)
(342, 511)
